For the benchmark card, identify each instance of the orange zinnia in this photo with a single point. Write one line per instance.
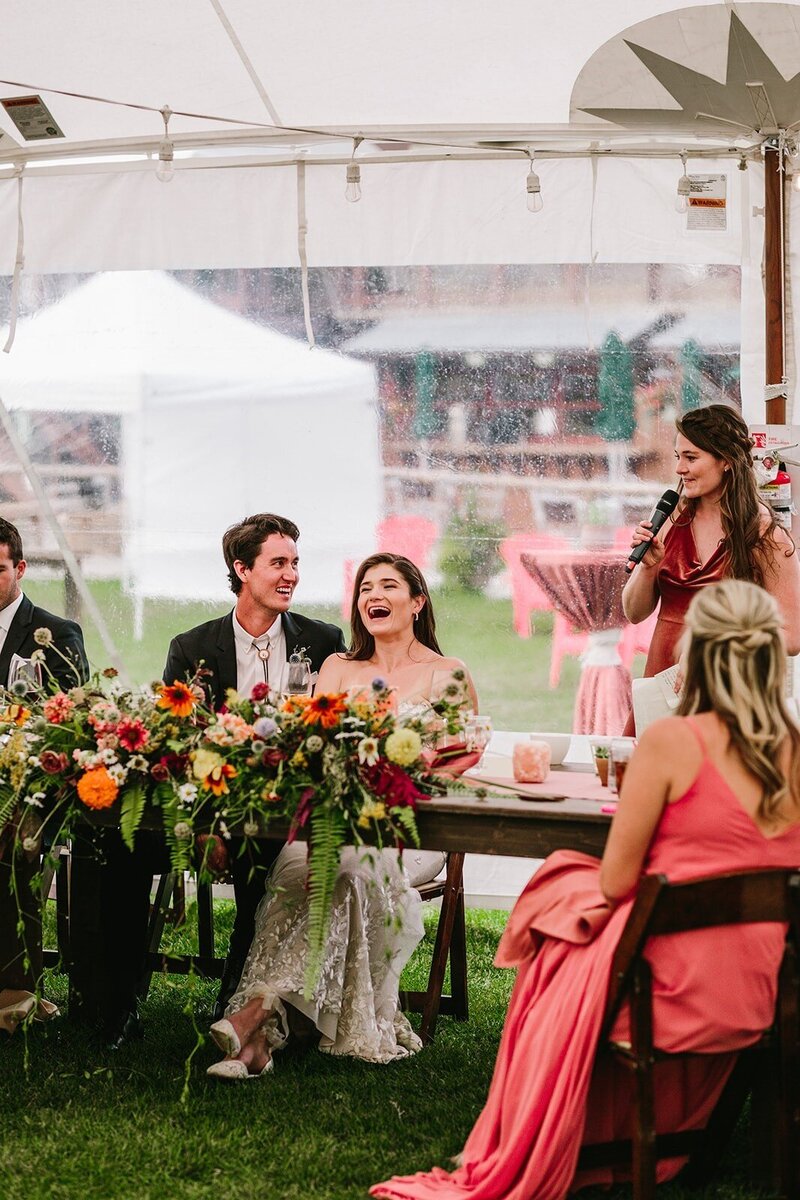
(97, 789)
(325, 710)
(217, 781)
(178, 698)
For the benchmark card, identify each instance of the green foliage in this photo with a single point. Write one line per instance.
(615, 421)
(691, 360)
(469, 555)
(328, 835)
(131, 812)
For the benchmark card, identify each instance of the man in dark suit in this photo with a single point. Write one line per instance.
(64, 665)
(252, 645)
(249, 645)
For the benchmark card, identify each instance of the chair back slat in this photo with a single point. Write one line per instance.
(736, 898)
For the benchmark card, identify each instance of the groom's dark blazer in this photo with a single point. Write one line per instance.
(212, 645)
(68, 640)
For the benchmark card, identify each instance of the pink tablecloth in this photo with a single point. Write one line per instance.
(585, 586)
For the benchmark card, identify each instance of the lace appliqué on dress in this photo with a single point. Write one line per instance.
(376, 923)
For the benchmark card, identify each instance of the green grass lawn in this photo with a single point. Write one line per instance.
(83, 1124)
(510, 672)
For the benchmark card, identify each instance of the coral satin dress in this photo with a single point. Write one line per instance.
(680, 576)
(713, 993)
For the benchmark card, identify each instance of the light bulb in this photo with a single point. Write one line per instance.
(165, 168)
(353, 190)
(534, 190)
(796, 181)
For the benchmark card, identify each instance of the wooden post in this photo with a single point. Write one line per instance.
(773, 281)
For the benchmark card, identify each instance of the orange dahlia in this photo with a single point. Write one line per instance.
(97, 789)
(178, 698)
(325, 710)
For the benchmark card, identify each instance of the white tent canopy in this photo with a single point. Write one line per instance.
(206, 397)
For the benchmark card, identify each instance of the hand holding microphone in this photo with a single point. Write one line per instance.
(647, 530)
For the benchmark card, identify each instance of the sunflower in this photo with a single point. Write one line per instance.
(177, 698)
(325, 710)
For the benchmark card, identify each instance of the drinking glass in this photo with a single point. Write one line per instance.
(477, 733)
(25, 671)
(297, 677)
(621, 753)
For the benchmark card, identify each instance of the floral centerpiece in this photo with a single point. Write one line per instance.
(340, 769)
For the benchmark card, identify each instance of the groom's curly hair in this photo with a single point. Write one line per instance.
(242, 542)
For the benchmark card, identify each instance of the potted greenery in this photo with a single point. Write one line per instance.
(601, 758)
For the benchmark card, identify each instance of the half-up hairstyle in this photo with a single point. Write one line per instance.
(362, 645)
(721, 431)
(736, 668)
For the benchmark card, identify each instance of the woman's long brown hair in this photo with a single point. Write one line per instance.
(362, 646)
(721, 431)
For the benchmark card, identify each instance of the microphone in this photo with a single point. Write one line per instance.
(664, 509)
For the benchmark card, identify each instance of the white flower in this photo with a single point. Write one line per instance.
(183, 831)
(138, 762)
(33, 760)
(250, 829)
(223, 828)
(107, 756)
(368, 751)
(314, 743)
(34, 800)
(117, 772)
(187, 794)
(43, 636)
(38, 656)
(30, 843)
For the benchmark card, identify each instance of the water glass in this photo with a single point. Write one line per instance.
(297, 677)
(477, 733)
(24, 671)
(621, 753)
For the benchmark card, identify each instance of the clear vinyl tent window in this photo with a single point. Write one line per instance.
(160, 407)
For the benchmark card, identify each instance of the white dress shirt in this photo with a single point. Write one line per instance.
(7, 615)
(249, 667)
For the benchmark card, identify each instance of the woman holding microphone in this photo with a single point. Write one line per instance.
(721, 530)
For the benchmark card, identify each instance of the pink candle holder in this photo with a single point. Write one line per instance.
(531, 761)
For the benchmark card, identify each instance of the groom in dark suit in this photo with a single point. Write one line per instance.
(65, 665)
(249, 645)
(252, 645)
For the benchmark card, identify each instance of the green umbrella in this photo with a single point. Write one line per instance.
(690, 381)
(615, 422)
(424, 393)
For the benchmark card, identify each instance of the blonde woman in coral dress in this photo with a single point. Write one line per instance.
(715, 789)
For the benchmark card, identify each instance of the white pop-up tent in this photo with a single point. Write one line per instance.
(220, 418)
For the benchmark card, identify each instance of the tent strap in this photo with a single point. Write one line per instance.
(19, 263)
(302, 231)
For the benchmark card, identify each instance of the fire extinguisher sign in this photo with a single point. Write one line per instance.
(775, 461)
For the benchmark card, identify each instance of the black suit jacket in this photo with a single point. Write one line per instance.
(67, 638)
(212, 644)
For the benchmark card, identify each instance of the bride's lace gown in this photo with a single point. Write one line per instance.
(375, 925)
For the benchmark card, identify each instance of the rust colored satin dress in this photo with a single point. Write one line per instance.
(680, 577)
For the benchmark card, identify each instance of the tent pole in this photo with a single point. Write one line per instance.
(70, 561)
(774, 283)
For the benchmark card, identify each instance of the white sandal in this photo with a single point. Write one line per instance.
(233, 1070)
(226, 1038)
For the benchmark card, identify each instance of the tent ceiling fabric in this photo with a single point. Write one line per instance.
(359, 67)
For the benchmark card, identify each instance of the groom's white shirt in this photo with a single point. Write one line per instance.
(249, 667)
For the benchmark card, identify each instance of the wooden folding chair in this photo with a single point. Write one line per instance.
(451, 942)
(773, 1065)
(205, 962)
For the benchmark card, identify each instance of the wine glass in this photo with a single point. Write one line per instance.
(297, 676)
(22, 670)
(478, 734)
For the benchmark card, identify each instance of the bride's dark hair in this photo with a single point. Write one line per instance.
(362, 645)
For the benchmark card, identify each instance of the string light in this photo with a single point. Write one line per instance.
(165, 168)
(533, 188)
(684, 188)
(353, 190)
